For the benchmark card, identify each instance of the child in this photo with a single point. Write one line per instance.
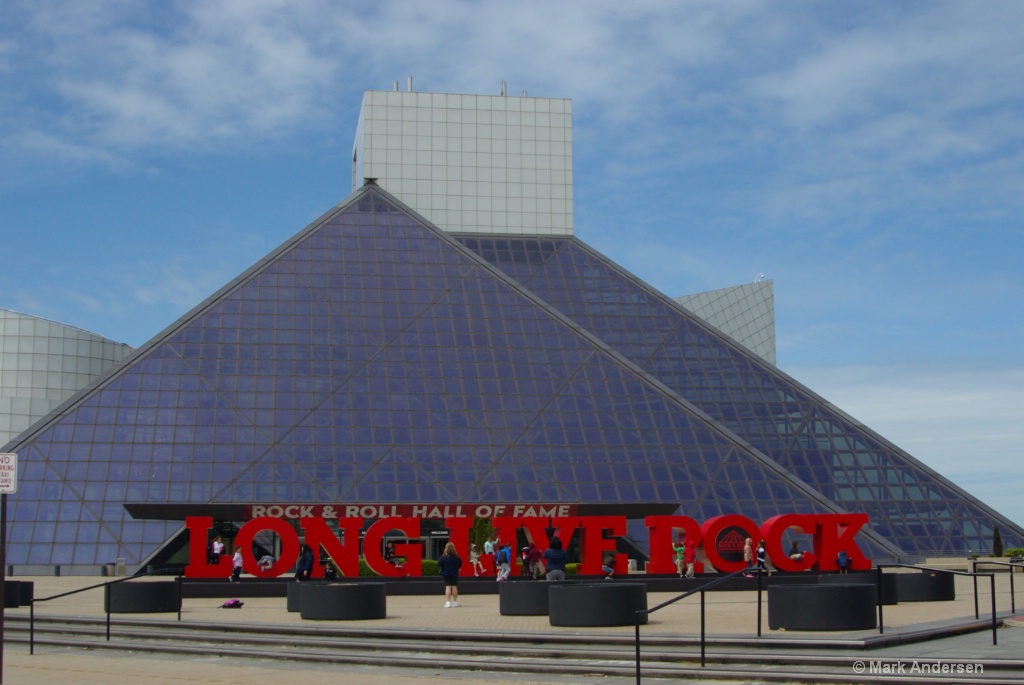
(680, 551)
(474, 559)
(761, 557)
(236, 565)
(216, 549)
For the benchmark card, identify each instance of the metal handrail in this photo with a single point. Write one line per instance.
(1012, 565)
(973, 574)
(105, 585)
(701, 589)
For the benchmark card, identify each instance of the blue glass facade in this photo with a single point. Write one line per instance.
(859, 470)
(374, 359)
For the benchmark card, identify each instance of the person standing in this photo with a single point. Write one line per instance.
(236, 565)
(449, 564)
(690, 558)
(680, 551)
(843, 561)
(533, 561)
(304, 566)
(554, 559)
(762, 553)
(748, 556)
(504, 559)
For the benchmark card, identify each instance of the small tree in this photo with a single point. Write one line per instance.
(480, 531)
(997, 544)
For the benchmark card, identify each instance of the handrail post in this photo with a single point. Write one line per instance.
(881, 621)
(636, 619)
(702, 635)
(759, 604)
(992, 580)
(179, 597)
(974, 577)
(1013, 599)
(106, 605)
(32, 628)
(878, 591)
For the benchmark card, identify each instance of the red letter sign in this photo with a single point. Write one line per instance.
(198, 565)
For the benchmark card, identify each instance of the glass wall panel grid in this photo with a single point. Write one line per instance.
(284, 375)
(800, 431)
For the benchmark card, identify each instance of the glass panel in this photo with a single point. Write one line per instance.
(728, 382)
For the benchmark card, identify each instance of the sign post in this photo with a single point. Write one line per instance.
(8, 485)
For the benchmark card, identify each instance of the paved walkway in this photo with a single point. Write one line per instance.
(728, 615)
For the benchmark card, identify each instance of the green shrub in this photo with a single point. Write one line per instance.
(429, 569)
(1014, 552)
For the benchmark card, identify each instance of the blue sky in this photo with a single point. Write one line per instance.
(868, 157)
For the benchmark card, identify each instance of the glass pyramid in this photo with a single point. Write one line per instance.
(907, 503)
(372, 358)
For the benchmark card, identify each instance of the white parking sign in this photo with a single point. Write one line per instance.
(8, 473)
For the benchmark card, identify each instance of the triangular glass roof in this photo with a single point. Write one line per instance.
(372, 359)
(908, 503)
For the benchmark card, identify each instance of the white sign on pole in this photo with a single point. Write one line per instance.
(8, 473)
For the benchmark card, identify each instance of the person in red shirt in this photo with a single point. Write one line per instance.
(690, 558)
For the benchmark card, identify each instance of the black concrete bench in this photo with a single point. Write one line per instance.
(18, 593)
(141, 597)
(926, 586)
(889, 590)
(611, 603)
(294, 596)
(523, 597)
(246, 587)
(839, 606)
(342, 602)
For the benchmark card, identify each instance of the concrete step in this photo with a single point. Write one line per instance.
(662, 657)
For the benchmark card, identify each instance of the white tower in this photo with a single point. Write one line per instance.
(471, 163)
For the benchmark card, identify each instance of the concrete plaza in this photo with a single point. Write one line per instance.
(728, 615)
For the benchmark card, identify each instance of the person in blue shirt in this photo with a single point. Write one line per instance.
(449, 564)
(503, 557)
(304, 566)
(843, 561)
(554, 559)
